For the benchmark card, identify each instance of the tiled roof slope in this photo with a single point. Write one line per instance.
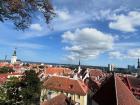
(95, 72)
(115, 92)
(67, 85)
(134, 82)
(58, 100)
(57, 70)
(124, 95)
(106, 95)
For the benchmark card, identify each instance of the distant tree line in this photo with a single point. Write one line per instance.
(5, 69)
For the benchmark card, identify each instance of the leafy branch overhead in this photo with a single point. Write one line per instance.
(21, 12)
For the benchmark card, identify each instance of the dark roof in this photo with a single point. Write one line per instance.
(106, 95)
(115, 92)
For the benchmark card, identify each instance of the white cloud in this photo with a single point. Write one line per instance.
(36, 27)
(126, 23)
(115, 54)
(87, 43)
(134, 53)
(128, 54)
(63, 15)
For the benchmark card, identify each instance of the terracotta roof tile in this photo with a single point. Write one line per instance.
(124, 95)
(57, 70)
(133, 82)
(66, 84)
(3, 78)
(115, 92)
(96, 72)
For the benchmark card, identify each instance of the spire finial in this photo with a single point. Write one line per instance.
(14, 54)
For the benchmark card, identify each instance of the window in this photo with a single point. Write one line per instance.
(78, 96)
(71, 86)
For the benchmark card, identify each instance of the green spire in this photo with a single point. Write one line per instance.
(14, 54)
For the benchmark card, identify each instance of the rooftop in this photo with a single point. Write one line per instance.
(68, 85)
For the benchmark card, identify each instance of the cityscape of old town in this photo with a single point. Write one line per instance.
(69, 52)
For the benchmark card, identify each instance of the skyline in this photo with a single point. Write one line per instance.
(97, 32)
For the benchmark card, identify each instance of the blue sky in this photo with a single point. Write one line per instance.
(96, 31)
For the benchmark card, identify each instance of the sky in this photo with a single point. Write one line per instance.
(98, 32)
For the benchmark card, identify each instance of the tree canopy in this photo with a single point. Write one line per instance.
(21, 12)
(23, 90)
(5, 69)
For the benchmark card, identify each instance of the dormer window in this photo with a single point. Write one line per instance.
(71, 86)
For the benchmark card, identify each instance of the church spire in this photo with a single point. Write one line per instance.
(79, 67)
(14, 54)
(138, 63)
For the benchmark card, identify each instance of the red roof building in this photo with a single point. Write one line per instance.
(114, 92)
(67, 85)
(57, 71)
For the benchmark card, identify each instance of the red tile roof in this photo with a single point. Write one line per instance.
(124, 95)
(115, 92)
(95, 72)
(57, 70)
(3, 78)
(133, 82)
(67, 85)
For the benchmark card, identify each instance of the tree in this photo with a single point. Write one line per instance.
(21, 12)
(31, 88)
(11, 92)
(5, 69)
(2, 95)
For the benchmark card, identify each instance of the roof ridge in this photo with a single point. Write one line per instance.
(115, 90)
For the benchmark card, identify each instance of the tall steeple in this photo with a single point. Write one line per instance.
(138, 64)
(14, 57)
(14, 54)
(79, 67)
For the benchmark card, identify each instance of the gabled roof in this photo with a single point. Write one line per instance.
(57, 70)
(67, 85)
(115, 92)
(95, 72)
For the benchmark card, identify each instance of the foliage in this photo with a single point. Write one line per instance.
(21, 91)
(2, 95)
(11, 92)
(5, 69)
(21, 12)
(31, 88)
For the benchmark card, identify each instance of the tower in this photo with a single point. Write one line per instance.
(138, 63)
(79, 67)
(138, 67)
(14, 57)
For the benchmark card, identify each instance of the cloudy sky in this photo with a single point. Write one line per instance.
(99, 32)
